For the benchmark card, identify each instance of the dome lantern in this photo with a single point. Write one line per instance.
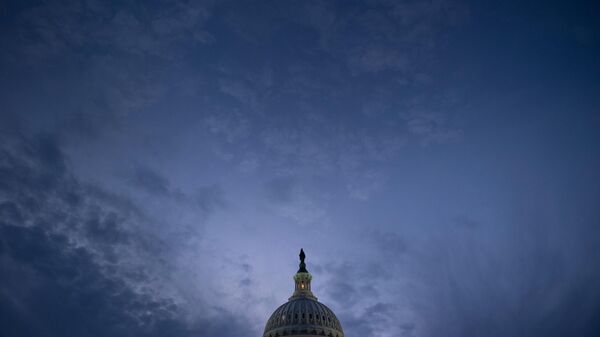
(302, 280)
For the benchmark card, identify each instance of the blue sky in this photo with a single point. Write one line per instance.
(162, 163)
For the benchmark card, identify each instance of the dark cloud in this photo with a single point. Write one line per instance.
(375, 320)
(61, 248)
(52, 288)
(150, 181)
(206, 199)
(350, 283)
(209, 198)
(246, 282)
(391, 244)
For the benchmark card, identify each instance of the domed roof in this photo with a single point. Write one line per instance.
(303, 314)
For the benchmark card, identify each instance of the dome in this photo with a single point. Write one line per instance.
(303, 314)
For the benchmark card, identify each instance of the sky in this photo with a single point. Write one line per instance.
(163, 162)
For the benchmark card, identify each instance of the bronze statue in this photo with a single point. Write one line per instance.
(302, 264)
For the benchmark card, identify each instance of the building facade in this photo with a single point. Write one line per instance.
(303, 315)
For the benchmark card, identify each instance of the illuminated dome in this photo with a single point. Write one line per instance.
(303, 315)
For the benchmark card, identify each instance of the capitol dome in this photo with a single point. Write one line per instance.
(303, 315)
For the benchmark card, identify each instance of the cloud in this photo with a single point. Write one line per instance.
(378, 59)
(324, 108)
(53, 288)
(240, 91)
(78, 260)
(281, 189)
(298, 113)
(385, 35)
(150, 181)
(209, 198)
(391, 244)
(116, 60)
(359, 291)
(233, 126)
(472, 278)
(468, 277)
(388, 41)
(52, 30)
(430, 128)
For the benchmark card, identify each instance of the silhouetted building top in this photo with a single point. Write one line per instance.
(303, 315)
